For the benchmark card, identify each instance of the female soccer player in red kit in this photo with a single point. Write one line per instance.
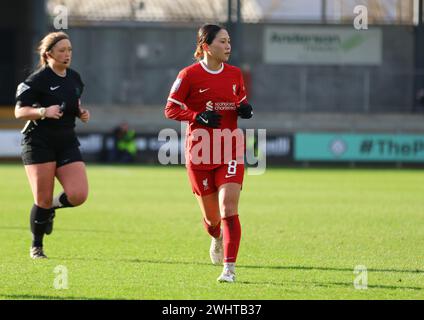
(210, 95)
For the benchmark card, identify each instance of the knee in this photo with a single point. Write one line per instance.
(44, 201)
(228, 208)
(213, 221)
(77, 198)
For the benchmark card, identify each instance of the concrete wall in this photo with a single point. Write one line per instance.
(22, 25)
(136, 65)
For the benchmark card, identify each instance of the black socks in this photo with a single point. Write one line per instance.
(38, 220)
(61, 201)
(64, 201)
(41, 219)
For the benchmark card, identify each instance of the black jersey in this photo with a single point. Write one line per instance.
(44, 88)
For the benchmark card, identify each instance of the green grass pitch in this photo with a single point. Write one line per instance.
(139, 236)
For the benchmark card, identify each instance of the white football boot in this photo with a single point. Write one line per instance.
(216, 250)
(228, 274)
(37, 253)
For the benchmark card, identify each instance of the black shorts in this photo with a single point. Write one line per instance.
(38, 149)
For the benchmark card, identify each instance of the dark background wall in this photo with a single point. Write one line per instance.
(137, 65)
(22, 24)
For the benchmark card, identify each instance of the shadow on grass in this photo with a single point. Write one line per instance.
(329, 284)
(134, 261)
(302, 283)
(57, 230)
(308, 268)
(46, 297)
(330, 269)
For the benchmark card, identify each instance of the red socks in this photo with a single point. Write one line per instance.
(214, 231)
(232, 235)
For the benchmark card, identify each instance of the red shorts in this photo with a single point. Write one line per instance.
(204, 182)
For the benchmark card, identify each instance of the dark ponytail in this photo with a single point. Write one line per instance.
(206, 34)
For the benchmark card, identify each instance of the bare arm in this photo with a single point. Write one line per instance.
(30, 113)
(27, 113)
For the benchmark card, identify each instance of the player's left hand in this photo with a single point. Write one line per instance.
(245, 111)
(84, 115)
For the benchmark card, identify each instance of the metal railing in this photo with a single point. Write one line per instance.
(283, 11)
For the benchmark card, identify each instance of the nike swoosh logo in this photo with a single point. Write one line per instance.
(54, 88)
(203, 90)
(229, 176)
(204, 120)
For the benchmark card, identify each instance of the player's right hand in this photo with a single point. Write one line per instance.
(54, 112)
(209, 118)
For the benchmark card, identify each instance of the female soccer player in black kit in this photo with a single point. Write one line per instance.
(49, 99)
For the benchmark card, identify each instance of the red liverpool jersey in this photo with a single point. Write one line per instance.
(198, 89)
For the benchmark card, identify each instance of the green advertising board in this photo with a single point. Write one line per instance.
(358, 147)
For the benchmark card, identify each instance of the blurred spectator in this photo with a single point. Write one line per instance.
(125, 147)
(420, 99)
